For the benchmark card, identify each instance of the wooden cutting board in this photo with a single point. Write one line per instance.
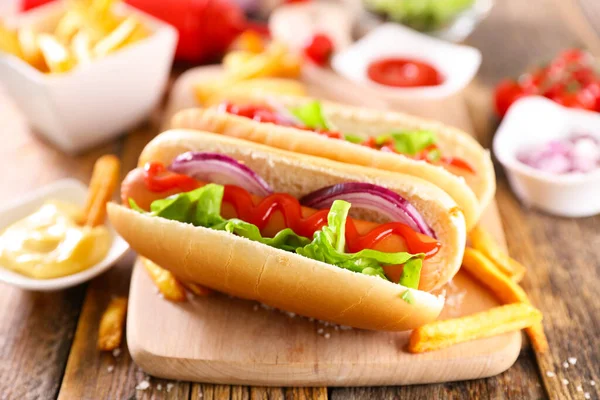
(220, 339)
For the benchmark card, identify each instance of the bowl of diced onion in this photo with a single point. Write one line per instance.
(551, 155)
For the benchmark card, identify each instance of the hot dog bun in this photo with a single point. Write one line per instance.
(472, 192)
(248, 269)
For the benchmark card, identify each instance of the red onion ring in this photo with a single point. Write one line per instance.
(218, 168)
(370, 197)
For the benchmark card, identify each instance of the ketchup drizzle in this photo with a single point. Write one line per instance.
(157, 179)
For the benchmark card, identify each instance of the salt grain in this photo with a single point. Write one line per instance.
(593, 383)
(110, 368)
(550, 374)
(320, 331)
(579, 388)
(159, 387)
(565, 365)
(169, 387)
(143, 385)
(116, 352)
(587, 395)
(327, 336)
(565, 382)
(572, 360)
(200, 394)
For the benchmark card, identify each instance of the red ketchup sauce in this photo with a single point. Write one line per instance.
(404, 72)
(260, 113)
(158, 179)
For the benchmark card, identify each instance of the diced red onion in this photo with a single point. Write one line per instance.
(284, 115)
(576, 154)
(221, 169)
(370, 197)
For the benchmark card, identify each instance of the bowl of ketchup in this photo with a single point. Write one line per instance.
(399, 62)
(404, 72)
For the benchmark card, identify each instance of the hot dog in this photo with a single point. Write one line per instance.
(445, 156)
(273, 226)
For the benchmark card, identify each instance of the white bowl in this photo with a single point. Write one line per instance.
(296, 24)
(534, 121)
(96, 102)
(457, 63)
(69, 190)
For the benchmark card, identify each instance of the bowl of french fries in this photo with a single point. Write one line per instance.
(84, 71)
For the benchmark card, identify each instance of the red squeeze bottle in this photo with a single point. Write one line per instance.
(206, 27)
(29, 4)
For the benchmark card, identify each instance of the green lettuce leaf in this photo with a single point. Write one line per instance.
(311, 115)
(349, 137)
(408, 142)
(329, 243)
(202, 207)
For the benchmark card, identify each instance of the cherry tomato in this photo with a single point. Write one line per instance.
(401, 72)
(580, 99)
(554, 90)
(584, 75)
(507, 92)
(532, 82)
(319, 49)
(571, 56)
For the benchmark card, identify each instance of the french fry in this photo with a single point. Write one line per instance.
(250, 41)
(261, 65)
(259, 86)
(117, 38)
(81, 46)
(68, 26)
(483, 241)
(30, 49)
(9, 41)
(505, 289)
(102, 8)
(196, 289)
(165, 281)
(140, 32)
(56, 55)
(495, 321)
(291, 66)
(110, 333)
(102, 186)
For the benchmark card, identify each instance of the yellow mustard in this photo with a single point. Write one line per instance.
(50, 243)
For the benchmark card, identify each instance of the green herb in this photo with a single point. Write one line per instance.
(311, 115)
(349, 137)
(407, 296)
(412, 142)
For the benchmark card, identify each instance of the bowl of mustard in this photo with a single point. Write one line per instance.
(44, 247)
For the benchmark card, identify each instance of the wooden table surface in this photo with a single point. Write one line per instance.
(47, 340)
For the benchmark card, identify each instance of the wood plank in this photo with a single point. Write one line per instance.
(519, 383)
(225, 392)
(563, 258)
(37, 328)
(93, 374)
